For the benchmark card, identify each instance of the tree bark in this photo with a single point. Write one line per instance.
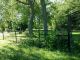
(44, 15)
(30, 25)
(31, 5)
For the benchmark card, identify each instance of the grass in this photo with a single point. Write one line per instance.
(10, 50)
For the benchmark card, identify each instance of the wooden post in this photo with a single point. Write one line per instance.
(16, 36)
(3, 35)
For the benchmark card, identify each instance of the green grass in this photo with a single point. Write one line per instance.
(10, 50)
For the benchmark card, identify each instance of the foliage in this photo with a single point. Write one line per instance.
(15, 15)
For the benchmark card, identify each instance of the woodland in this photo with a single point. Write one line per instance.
(39, 29)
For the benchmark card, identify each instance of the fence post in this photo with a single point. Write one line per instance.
(15, 37)
(3, 35)
(69, 33)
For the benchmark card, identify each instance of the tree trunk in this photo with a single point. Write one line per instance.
(30, 26)
(44, 15)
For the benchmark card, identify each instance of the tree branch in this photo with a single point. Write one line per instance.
(22, 2)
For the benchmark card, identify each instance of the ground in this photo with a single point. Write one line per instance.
(10, 50)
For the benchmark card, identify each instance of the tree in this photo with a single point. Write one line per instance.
(31, 5)
(44, 15)
(30, 26)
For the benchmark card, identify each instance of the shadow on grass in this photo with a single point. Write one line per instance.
(10, 53)
(75, 49)
(30, 53)
(27, 50)
(33, 53)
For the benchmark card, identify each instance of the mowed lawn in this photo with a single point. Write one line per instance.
(10, 50)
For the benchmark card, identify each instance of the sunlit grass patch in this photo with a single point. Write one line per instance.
(75, 33)
(4, 43)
